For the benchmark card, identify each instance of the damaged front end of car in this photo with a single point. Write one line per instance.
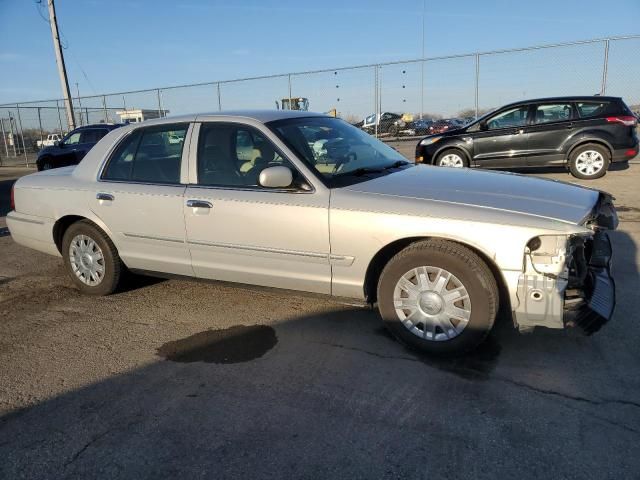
(566, 281)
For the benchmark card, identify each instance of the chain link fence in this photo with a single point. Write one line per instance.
(462, 86)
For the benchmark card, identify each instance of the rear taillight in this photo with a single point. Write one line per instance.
(628, 120)
(13, 198)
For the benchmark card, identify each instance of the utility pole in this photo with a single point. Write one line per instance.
(62, 71)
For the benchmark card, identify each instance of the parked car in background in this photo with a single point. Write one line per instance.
(585, 134)
(440, 251)
(421, 126)
(441, 126)
(51, 139)
(73, 147)
(387, 122)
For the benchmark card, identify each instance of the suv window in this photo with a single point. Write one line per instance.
(93, 135)
(234, 155)
(592, 109)
(552, 112)
(72, 139)
(149, 155)
(514, 117)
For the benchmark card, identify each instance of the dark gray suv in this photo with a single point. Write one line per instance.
(585, 134)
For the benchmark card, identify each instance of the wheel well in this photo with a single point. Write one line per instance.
(585, 142)
(445, 149)
(385, 254)
(61, 226)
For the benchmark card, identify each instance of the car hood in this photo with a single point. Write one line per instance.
(508, 192)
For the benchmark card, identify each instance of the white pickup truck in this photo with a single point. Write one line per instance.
(49, 141)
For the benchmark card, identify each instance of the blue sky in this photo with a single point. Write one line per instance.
(121, 45)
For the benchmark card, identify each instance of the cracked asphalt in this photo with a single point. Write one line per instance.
(318, 390)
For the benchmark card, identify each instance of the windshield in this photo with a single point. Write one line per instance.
(337, 150)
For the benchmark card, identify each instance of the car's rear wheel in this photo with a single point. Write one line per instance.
(439, 297)
(589, 161)
(451, 158)
(91, 259)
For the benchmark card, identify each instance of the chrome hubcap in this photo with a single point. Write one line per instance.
(432, 303)
(451, 160)
(589, 162)
(87, 260)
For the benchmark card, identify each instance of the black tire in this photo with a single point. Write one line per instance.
(113, 267)
(469, 269)
(450, 151)
(45, 164)
(394, 130)
(573, 161)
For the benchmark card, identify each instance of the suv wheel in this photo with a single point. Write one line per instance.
(451, 158)
(589, 161)
(439, 297)
(46, 164)
(91, 259)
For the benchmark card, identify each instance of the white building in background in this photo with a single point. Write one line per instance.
(138, 115)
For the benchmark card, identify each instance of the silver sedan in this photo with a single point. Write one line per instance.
(307, 202)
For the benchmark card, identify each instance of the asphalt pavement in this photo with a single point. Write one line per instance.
(206, 380)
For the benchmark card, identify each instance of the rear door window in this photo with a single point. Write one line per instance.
(552, 112)
(149, 155)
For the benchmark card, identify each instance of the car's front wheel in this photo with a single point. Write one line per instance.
(439, 297)
(46, 164)
(451, 158)
(91, 259)
(589, 161)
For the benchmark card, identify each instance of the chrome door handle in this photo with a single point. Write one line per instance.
(105, 196)
(199, 204)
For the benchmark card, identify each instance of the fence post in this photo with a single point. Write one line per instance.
(4, 137)
(605, 68)
(40, 124)
(24, 148)
(159, 104)
(219, 98)
(12, 140)
(477, 85)
(375, 100)
(290, 106)
(104, 107)
(59, 117)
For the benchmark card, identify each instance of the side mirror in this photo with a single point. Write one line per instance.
(483, 126)
(276, 177)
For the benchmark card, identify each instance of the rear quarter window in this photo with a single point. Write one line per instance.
(592, 109)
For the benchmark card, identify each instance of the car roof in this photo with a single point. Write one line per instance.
(109, 126)
(578, 98)
(262, 116)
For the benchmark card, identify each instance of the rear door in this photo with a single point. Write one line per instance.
(139, 197)
(504, 141)
(552, 125)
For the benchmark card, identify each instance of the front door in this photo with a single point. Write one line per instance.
(139, 198)
(241, 232)
(503, 141)
(551, 125)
